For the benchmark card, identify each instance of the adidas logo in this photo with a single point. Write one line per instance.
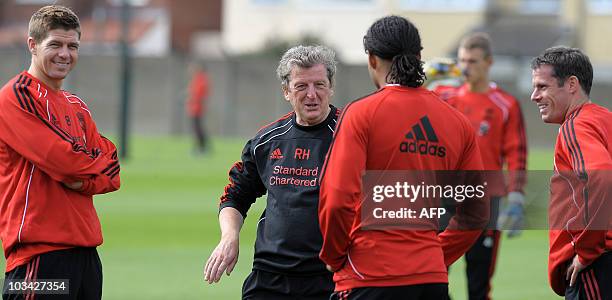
(276, 154)
(422, 139)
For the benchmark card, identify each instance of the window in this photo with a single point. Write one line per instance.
(540, 7)
(600, 7)
(443, 5)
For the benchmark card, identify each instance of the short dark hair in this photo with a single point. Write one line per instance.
(397, 39)
(566, 62)
(52, 17)
(477, 40)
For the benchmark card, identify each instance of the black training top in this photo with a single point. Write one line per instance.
(284, 159)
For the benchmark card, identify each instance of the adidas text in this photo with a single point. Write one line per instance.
(423, 148)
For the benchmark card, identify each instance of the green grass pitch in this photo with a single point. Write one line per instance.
(161, 226)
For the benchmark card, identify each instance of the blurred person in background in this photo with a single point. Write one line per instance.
(579, 261)
(52, 161)
(498, 122)
(284, 160)
(197, 100)
(392, 263)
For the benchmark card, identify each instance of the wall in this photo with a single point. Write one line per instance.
(245, 96)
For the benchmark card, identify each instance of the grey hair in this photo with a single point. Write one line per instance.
(306, 57)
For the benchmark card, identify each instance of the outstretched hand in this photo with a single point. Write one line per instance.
(222, 259)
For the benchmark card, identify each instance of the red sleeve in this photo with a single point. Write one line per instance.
(24, 128)
(470, 217)
(341, 186)
(591, 162)
(514, 148)
(110, 181)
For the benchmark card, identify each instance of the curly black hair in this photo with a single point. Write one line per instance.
(396, 39)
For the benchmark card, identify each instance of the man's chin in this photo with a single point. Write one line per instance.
(311, 119)
(59, 75)
(549, 119)
(313, 114)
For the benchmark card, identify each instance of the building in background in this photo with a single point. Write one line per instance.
(230, 36)
(249, 24)
(216, 28)
(157, 27)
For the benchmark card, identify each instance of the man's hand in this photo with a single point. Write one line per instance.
(513, 215)
(74, 185)
(573, 270)
(222, 259)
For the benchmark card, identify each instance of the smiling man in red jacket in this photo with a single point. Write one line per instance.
(580, 262)
(52, 161)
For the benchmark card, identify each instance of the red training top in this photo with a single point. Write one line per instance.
(198, 91)
(579, 210)
(48, 137)
(370, 136)
(498, 121)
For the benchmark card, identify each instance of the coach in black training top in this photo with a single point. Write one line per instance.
(284, 159)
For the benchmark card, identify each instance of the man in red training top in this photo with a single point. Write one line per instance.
(196, 105)
(498, 122)
(393, 263)
(52, 161)
(579, 261)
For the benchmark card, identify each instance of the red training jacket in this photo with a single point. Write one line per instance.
(368, 137)
(500, 130)
(198, 91)
(579, 210)
(48, 137)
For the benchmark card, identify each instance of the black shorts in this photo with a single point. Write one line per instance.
(429, 291)
(593, 283)
(79, 269)
(273, 286)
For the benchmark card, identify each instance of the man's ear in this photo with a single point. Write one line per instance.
(285, 92)
(32, 45)
(573, 84)
(372, 61)
(489, 60)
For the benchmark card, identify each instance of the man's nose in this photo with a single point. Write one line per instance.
(535, 96)
(311, 91)
(64, 51)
